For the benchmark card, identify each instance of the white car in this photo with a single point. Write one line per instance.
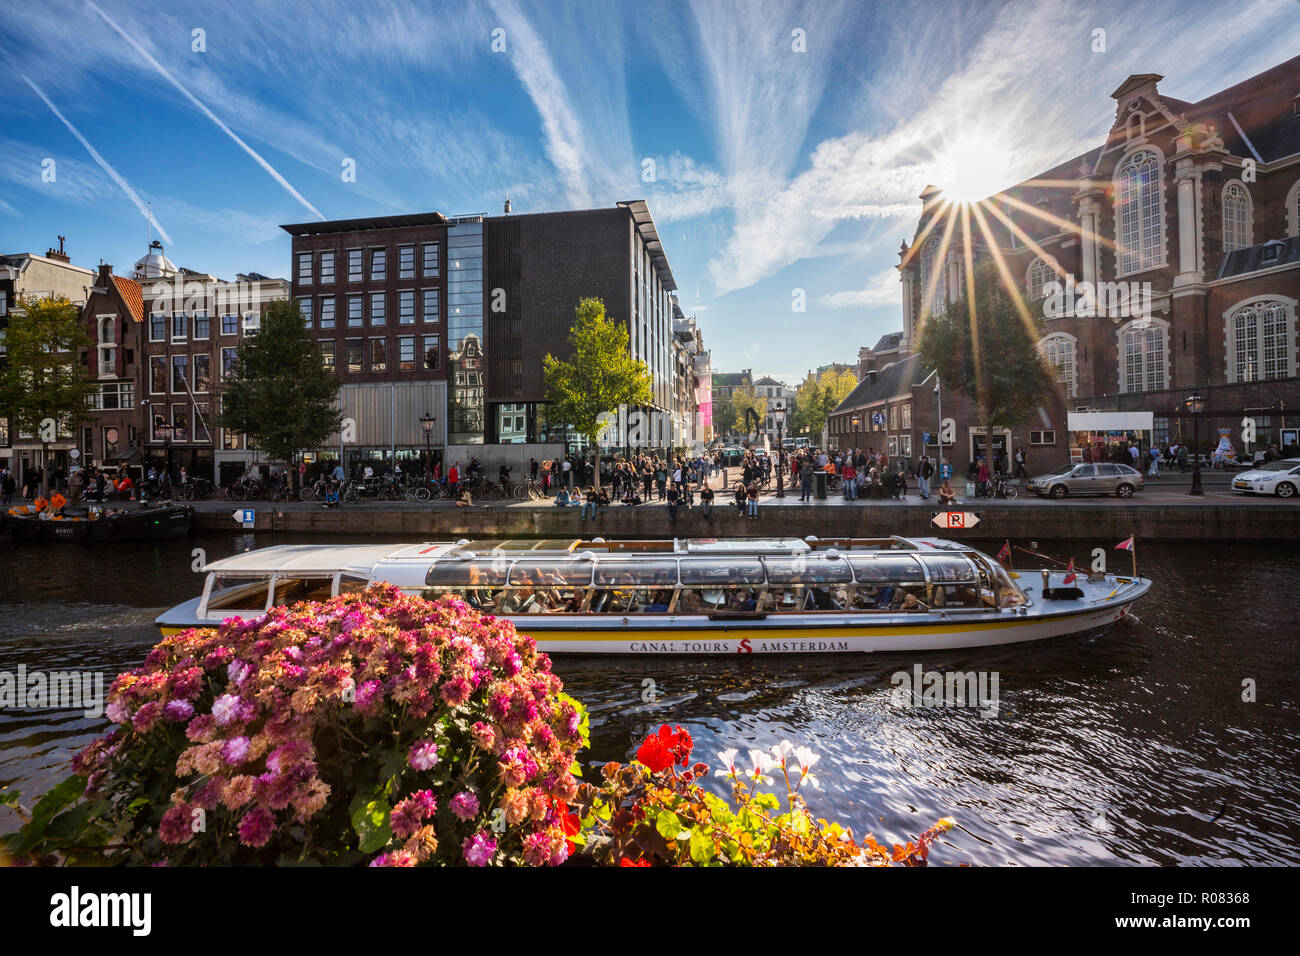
(1281, 478)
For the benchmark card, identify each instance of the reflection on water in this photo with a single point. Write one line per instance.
(1116, 746)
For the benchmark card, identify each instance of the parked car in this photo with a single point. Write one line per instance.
(1281, 478)
(1089, 479)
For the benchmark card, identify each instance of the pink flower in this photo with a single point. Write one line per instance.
(395, 858)
(479, 849)
(178, 710)
(235, 750)
(484, 736)
(424, 755)
(117, 712)
(175, 826)
(256, 827)
(225, 708)
(465, 805)
(146, 717)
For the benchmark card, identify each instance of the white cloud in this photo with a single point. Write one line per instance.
(883, 288)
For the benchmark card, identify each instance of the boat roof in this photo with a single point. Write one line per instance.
(365, 558)
(326, 558)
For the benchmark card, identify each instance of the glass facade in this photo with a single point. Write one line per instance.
(465, 332)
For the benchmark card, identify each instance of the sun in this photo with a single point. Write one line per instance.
(972, 167)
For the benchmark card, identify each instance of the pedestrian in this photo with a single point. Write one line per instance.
(674, 501)
(76, 482)
(982, 479)
(7, 486)
(805, 480)
(1021, 461)
(849, 476)
(453, 480)
(751, 500)
(924, 470)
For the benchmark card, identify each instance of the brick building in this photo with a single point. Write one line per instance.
(451, 317)
(1165, 261)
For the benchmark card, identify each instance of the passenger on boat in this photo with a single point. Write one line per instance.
(744, 601)
(689, 602)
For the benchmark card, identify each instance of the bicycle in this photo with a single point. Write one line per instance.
(529, 488)
(1000, 487)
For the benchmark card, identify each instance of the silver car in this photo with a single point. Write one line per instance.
(1089, 479)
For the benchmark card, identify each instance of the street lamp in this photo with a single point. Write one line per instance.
(780, 450)
(427, 422)
(1195, 404)
(857, 424)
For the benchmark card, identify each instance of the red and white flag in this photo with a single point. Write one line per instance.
(1005, 554)
(1125, 545)
(1070, 576)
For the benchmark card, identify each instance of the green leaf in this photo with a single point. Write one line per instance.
(50, 804)
(370, 823)
(701, 846)
(668, 824)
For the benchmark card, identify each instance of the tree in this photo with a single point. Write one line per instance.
(745, 399)
(724, 418)
(43, 385)
(986, 349)
(599, 376)
(280, 394)
(819, 395)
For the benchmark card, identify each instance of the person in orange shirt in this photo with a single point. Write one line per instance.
(58, 502)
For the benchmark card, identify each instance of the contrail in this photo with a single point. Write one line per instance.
(207, 112)
(103, 163)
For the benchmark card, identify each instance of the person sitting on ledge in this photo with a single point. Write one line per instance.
(562, 499)
(946, 495)
(706, 500)
(464, 501)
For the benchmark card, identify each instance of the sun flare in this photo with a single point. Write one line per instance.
(973, 167)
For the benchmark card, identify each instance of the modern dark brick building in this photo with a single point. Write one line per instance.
(492, 295)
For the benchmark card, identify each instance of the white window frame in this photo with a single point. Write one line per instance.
(1293, 210)
(1053, 270)
(305, 267)
(1040, 436)
(1159, 240)
(1235, 191)
(1072, 381)
(1230, 335)
(402, 273)
(360, 274)
(1142, 325)
(327, 255)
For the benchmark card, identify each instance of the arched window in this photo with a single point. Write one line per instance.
(1236, 217)
(1260, 340)
(1041, 271)
(1142, 355)
(1138, 215)
(930, 262)
(1058, 352)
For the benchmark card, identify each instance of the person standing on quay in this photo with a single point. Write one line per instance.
(805, 481)
(923, 472)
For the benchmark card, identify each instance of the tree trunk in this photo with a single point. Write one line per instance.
(595, 472)
(45, 470)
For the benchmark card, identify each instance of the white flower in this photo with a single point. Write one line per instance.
(806, 759)
(781, 753)
(728, 758)
(761, 764)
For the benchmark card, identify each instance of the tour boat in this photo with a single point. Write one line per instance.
(97, 524)
(696, 596)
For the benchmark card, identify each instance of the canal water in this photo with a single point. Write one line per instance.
(1127, 745)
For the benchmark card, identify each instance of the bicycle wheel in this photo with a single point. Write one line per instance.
(307, 492)
(1009, 493)
(423, 494)
(520, 491)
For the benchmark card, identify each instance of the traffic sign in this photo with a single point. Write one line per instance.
(955, 520)
(245, 516)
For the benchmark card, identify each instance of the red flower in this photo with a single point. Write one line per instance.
(626, 862)
(571, 822)
(660, 751)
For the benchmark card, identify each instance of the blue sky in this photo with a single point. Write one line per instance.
(776, 169)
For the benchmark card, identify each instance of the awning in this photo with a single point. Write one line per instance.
(1110, 421)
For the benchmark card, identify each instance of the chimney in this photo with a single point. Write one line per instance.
(59, 255)
(871, 376)
(105, 274)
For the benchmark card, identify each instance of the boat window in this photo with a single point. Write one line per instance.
(351, 584)
(881, 568)
(292, 590)
(551, 573)
(954, 595)
(467, 574)
(722, 570)
(1009, 593)
(801, 569)
(632, 600)
(949, 567)
(239, 594)
(656, 573)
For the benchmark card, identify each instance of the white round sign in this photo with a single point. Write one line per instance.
(74, 454)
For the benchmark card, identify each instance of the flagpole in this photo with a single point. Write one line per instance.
(1134, 549)
(1011, 564)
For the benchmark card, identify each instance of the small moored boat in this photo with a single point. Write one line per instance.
(90, 524)
(692, 596)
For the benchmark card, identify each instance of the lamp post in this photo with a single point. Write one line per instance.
(427, 422)
(1195, 404)
(857, 439)
(780, 450)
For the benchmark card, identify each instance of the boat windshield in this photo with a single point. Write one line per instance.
(239, 594)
